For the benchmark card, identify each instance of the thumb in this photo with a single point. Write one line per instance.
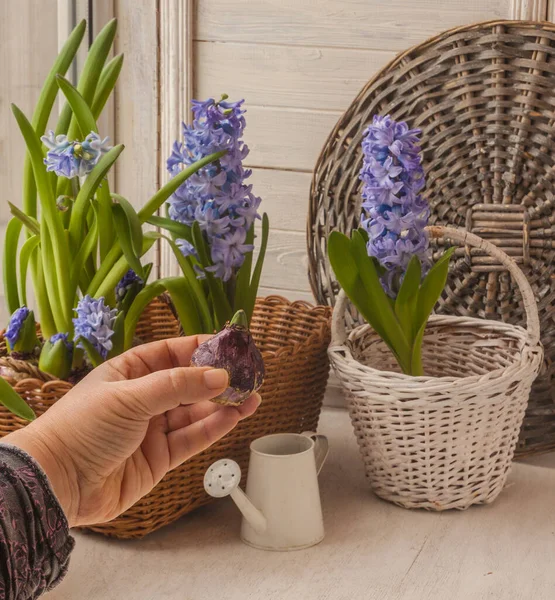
(158, 392)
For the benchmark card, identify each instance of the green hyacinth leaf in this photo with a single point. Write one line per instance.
(178, 230)
(257, 272)
(407, 298)
(431, 289)
(93, 354)
(14, 402)
(30, 222)
(184, 302)
(243, 283)
(124, 232)
(25, 254)
(106, 84)
(9, 265)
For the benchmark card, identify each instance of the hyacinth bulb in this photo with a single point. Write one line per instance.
(234, 350)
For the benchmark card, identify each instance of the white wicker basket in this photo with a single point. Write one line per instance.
(444, 440)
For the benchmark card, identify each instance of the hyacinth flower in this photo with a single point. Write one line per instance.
(56, 357)
(385, 268)
(21, 333)
(71, 236)
(212, 216)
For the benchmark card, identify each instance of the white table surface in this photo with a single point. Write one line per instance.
(372, 550)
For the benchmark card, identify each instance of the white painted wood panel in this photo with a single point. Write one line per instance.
(137, 114)
(287, 138)
(286, 262)
(22, 73)
(284, 196)
(375, 24)
(273, 75)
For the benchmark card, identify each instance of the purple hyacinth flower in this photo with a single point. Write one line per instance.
(95, 322)
(73, 159)
(217, 196)
(126, 282)
(13, 331)
(394, 214)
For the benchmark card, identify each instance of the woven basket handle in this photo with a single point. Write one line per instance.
(465, 238)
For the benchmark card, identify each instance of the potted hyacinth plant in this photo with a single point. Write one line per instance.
(80, 244)
(211, 219)
(385, 267)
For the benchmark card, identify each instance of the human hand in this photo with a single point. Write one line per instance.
(113, 437)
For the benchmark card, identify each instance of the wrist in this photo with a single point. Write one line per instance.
(59, 472)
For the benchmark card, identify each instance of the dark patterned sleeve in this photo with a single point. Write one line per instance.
(34, 538)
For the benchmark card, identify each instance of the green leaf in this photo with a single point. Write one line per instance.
(90, 75)
(135, 228)
(196, 288)
(222, 308)
(407, 298)
(124, 231)
(243, 283)
(184, 302)
(30, 222)
(82, 113)
(118, 339)
(27, 250)
(44, 108)
(14, 402)
(85, 251)
(9, 265)
(93, 354)
(106, 84)
(143, 298)
(431, 289)
(109, 278)
(52, 220)
(180, 230)
(384, 312)
(255, 281)
(166, 191)
(416, 367)
(81, 204)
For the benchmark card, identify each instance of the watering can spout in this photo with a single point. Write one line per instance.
(222, 479)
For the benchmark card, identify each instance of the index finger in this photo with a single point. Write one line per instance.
(149, 358)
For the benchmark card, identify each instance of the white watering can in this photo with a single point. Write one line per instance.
(281, 509)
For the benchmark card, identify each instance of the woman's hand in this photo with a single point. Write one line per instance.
(113, 437)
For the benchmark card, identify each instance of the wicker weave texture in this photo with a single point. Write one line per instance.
(293, 339)
(484, 97)
(444, 440)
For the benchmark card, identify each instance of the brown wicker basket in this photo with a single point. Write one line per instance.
(484, 97)
(293, 339)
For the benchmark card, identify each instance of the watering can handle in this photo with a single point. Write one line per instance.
(321, 448)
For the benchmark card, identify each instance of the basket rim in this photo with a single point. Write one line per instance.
(525, 357)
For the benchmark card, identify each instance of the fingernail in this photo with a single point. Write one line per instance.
(258, 399)
(216, 379)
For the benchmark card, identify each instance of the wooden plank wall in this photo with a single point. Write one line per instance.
(298, 64)
(28, 46)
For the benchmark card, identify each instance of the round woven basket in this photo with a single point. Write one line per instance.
(444, 440)
(484, 97)
(293, 339)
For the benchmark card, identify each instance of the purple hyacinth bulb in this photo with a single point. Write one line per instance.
(234, 350)
(95, 322)
(216, 197)
(394, 214)
(13, 331)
